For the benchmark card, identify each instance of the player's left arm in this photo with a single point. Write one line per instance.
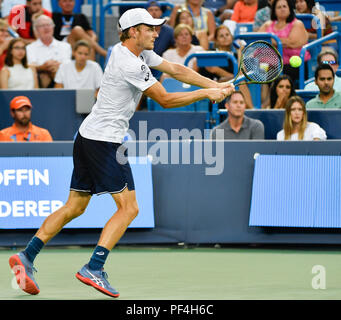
(187, 75)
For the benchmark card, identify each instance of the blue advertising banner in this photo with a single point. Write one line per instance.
(31, 188)
(296, 191)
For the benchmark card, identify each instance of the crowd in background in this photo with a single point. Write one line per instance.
(60, 50)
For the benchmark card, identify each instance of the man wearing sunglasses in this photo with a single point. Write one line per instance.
(330, 57)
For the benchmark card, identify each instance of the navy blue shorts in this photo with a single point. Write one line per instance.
(97, 167)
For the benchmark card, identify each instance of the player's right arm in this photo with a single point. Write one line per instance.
(178, 99)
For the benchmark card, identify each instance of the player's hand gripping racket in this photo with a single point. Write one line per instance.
(260, 63)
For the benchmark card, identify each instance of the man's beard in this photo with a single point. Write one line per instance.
(24, 122)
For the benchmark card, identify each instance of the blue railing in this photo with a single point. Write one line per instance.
(254, 36)
(330, 5)
(312, 45)
(311, 21)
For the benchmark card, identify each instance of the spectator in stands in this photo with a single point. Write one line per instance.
(327, 98)
(199, 37)
(165, 40)
(327, 56)
(280, 91)
(4, 41)
(203, 17)
(17, 74)
(308, 6)
(47, 53)
(244, 11)
(22, 128)
(218, 6)
(237, 125)
(262, 15)
(223, 43)
(80, 73)
(22, 16)
(165, 32)
(7, 5)
(296, 125)
(72, 27)
(290, 31)
(223, 39)
(183, 37)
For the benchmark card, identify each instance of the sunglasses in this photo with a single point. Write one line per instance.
(329, 62)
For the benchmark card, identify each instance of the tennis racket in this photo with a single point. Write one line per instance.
(260, 63)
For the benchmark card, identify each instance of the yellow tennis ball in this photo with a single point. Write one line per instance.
(295, 61)
(264, 66)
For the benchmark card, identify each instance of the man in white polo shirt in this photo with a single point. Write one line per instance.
(47, 53)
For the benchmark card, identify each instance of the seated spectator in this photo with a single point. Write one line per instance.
(290, 31)
(165, 40)
(327, 98)
(237, 125)
(199, 37)
(296, 125)
(17, 74)
(30, 11)
(183, 38)
(244, 11)
(308, 6)
(203, 17)
(5, 39)
(262, 15)
(22, 128)
(4, 138)
(224, 12)
(218, 6)
(80, 73)
(327, 56)
(280, 92)
(223, 43)
(47, 53)
(72, 27)
(7, 5)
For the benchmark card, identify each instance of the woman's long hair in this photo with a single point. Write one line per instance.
(287, 125)
(273, 92)
(9, 55)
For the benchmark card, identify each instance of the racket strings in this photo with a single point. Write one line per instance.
(261, 62)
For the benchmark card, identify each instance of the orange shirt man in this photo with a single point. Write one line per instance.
(244, 11)
(4, 138)
(22, 129)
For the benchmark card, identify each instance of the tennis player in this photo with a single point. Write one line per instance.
(96, 149)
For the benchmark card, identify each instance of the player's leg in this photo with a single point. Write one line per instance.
(73, 208)
(127, 210)
(112, 174)
(114, 229)
(92, 273)
(22, 263)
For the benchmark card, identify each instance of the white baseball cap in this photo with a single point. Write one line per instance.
(136, 16)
